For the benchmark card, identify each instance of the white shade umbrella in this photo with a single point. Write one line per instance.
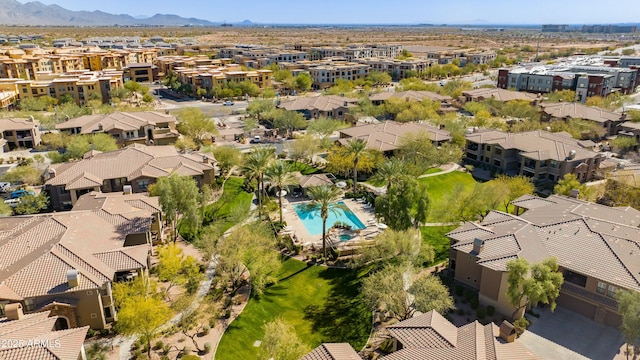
(381, 226)
(341, 184)
(281, 193)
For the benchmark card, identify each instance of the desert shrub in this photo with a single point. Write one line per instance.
(481, 312)
(491, 310)
(474, 303)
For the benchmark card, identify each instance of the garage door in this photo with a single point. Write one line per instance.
(574, 304)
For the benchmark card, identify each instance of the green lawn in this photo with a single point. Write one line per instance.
(434, 236)
(232, 205)
(305, 169)
(433, 171)
(321, 304)
(441, 185)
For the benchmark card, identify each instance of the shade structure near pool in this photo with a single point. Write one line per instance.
(312, 221)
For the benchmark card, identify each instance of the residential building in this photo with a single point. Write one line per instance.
(585, 80)
(140, 72)
(66, 262)
(388, 135)
(538, 154)
(498, 94)
(132, 168)
(608, 29)
(398, 69)
(430, 336)
(555, 28)
(313, 107)
(41, 329)
(81, 86)
(595, 246)
(609, 121)
(7, 99)
(19, 133)
(332, 351)
(325, 76)
(147, 127)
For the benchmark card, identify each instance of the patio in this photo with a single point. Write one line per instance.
(298, 231)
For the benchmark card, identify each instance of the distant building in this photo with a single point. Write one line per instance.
(555, 28)
(313, 107)
(140, 72)
(609, 121)
(19, 133)
(608, 29)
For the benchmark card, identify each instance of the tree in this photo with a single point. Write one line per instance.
(629, 310)
(356, 148)
(389, 172)
(324, 127)
(568, 183)
(193, 123)
(532, 284)
(5, 209)
(179, 196)
(304, 81)
(25, 174)
(513, 187)
(398, 205)
(325, 198)
(391, 290)
(279, 174)
(341, 162)
(287, 121)
(255, 165)
(562, 95)
(140, 310)
(391, 246)
(250, 250)
(227, 157)
(624, 143)
(419, 153)
(303, 148)
(177, 269)
(281, 342)
(32, 204)
(257, 108)
(378, 78)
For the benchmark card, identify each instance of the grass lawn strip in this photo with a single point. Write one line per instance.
(434, 236)
(321, 304)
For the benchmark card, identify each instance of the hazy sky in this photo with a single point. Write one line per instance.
(375, 11)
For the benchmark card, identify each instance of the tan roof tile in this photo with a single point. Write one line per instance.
(499, 94)
(409, 95)
(332, 351)
(321, 103)
(388, 135)
(576, 110)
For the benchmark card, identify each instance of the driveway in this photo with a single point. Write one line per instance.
(565, 334)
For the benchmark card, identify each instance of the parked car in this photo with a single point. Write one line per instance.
(256, 140)
(12, 202)
(228, 103)
(5, 186)
(20, 193)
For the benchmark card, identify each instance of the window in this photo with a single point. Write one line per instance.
(498, 151)
(611, 291)
(553, 164)
(29, 304)
(143, 185)
(602, 288)
(575, 278)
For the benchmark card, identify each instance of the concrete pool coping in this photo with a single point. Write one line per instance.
(302, 236)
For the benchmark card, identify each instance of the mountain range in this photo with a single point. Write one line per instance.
(13, 12)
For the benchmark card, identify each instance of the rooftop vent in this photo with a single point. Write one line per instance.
(72, 278)
(127, 190)
(507, 332)
(572, 154)
(575, 193)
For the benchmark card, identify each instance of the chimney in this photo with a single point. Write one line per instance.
(205, 159)
(345, 104)
(478, 244)
(126, 190)
(72, 278)
(14, 311)
(52, 173)
(507, 332)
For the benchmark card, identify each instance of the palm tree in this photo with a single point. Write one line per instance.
(390, 171)
(325, 197)
(356, 148)
(256, 163)
(279, 174)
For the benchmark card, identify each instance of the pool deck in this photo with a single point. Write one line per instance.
(301, 236)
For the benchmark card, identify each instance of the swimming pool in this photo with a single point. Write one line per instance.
(313, 222)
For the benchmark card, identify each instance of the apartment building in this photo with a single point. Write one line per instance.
(540, 155)
(325, 76)
(585, 80)
(148, 127)
(398, 69)
(7, 99)
(498, 94)
(40, 328)
(411, 95)
(608, 29)
(134, 167)
(19, 133)
(595, 246)
(387, 137)
(81, 86)
(607, 120)
(331, 106)
(65, 263)
(555, 28)
(140, 72)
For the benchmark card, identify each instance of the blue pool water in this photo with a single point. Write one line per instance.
(313, 222)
